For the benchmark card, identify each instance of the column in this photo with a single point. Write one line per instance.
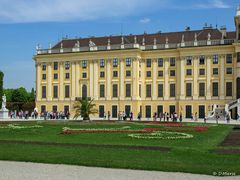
(49, 83)
(73, 75)
(38, 78)
(154, 83)
(166, 79)
(182, 78)
(96, 79)
(108, 74)
(122, 86)
(91, 74)
(143, 76)
(208, 76)
(222, 73)
(77, 79)
(61, 77)
(135, 73)
(195, 76)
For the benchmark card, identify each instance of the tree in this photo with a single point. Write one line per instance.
(1, 87)
(20, 95)
(84, 107)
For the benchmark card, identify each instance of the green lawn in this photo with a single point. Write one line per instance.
(193, 155)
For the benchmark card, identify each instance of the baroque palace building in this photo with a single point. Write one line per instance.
(183, 72)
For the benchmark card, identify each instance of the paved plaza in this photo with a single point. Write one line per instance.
(39, 171)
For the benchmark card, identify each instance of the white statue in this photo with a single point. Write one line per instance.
(4, 101)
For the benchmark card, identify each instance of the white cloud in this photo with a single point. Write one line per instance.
(65, 10)
(145, 20)
(213, 4)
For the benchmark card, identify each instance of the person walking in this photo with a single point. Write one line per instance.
(196, 118)
(131, 116)
(139, 116)
(167, 117)
(109, 115)
(180, 117)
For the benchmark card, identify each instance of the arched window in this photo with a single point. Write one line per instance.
(84, 91)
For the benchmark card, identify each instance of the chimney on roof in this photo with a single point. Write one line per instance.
(187, 28)
(223, 30)
(207, 27)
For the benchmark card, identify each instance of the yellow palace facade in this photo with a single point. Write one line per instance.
(185, 72)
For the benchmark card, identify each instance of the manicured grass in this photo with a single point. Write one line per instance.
(193, 155)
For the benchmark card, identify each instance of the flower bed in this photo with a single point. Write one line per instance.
(161, 135)
(15, 126)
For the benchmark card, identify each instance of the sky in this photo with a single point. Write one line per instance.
(26, 23)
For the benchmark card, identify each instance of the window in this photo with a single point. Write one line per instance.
(201, 72)
(55, 65)
(115, 90)
(214, 89)
(160, 73)
(102, 90)
(159, 109)
(44, 77)
(229, 59)
(101, 111)
(115, 74)
(188, 111)
(67, 76)
(66, 109)
(172, 90)
(115, 62)
(172, 109)
(114, 111)
(201, 89)
(188, 89)
(44, 67)
(102, 74)
(67, 91)
(44, 95)
(160, 62)
(201, 111)
(228, 88)
(149, 73)
(140, 90)
(84, 75)
(128, 90)
(215, 59)
(128, 62)
(189, 72)
(127, 110)
(67, 65)
(215, 71)
(149, 62)
(229, 70)
(201, 60)
(55, 76)
(172, 61)
(43, 108)
(55, 91)
(84, 64)
(84, 91)
(128, 73)
(148, 90)
(172, 73)
(148, 111)
(102, 63)
(238, 57)
(189, 60)
(160, 90)
(54, 109)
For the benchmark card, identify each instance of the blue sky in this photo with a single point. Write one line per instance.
(25, 23)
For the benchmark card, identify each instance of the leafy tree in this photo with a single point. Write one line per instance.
(20, 95)
(1, 87)
(31, 96)
(84, 107)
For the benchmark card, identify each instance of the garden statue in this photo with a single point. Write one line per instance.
(4, 110)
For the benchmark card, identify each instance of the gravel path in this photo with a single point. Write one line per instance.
(38, 171)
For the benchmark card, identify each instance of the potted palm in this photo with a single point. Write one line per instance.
(84, 107)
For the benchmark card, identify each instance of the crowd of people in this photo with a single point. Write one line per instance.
(46, 115)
